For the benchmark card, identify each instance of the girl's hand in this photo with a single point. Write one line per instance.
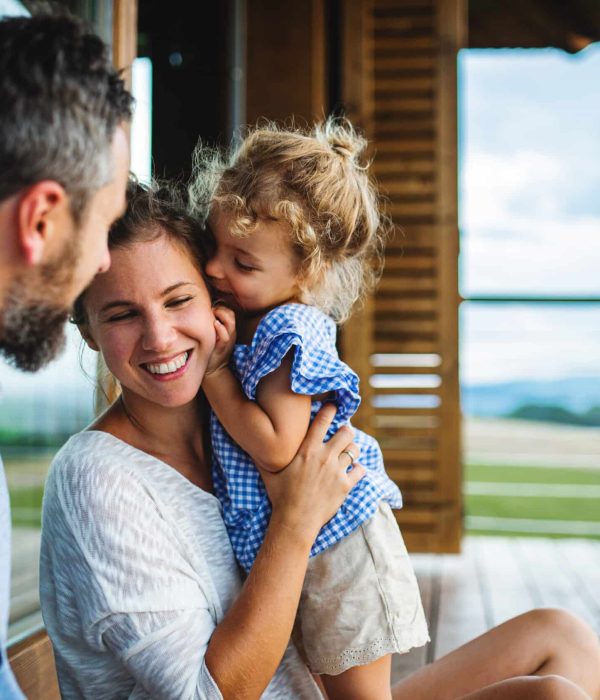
(308, 492)
(225, 331)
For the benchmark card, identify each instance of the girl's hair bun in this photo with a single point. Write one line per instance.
(342, 138)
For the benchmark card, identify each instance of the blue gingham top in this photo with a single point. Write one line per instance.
(316, 369)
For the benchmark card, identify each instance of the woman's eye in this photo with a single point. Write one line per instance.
(179, 301)
(245, 268)
(123, 316)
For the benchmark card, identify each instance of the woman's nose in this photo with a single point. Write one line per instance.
(159, 334)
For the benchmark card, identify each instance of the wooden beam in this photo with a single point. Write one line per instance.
(125, 36)
(356, 340)
(32, 662)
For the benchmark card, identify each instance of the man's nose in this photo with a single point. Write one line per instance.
(105, 261)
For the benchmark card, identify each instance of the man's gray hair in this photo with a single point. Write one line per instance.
(60, 103)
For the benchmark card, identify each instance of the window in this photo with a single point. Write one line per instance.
(530, 325)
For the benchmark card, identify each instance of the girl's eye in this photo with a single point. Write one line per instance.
(245, 268)
(179, 301)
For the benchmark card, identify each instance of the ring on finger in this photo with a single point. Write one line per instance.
(351, 455)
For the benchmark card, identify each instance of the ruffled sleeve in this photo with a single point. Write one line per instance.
(316, 366)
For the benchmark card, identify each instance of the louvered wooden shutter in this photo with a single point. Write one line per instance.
(398, 75)
(399, 81)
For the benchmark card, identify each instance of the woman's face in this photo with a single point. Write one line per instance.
(150, 315)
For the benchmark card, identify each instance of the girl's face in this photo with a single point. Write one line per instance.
(256, 272)
(150, 315)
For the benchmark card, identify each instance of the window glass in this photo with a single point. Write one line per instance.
(38, 413)
(530, 210)
(530, 227)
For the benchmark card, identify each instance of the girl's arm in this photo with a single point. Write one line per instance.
(247, 646)
(269, 429)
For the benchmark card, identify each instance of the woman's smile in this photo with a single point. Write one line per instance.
(164, 370)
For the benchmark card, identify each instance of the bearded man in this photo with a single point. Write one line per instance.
(64, 161)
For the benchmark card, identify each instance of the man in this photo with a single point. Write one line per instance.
(64, 162)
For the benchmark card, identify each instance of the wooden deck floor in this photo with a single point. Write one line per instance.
(496, 578)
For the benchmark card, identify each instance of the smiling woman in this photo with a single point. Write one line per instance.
(139, 585)
(150, 327)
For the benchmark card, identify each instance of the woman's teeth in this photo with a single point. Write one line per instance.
(168, 367)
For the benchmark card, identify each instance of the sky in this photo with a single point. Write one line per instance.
(529, 218)
(529, 211)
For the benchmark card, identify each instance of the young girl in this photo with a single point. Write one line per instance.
(297, 238)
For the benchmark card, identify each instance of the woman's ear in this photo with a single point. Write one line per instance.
(84, 329)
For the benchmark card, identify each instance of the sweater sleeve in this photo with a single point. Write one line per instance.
(137, 596)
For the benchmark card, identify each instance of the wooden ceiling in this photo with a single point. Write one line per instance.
(570, 25)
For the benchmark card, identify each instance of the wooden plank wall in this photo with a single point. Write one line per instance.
(285, 60)
(409, 50)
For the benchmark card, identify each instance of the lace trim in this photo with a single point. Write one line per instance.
(335, 665)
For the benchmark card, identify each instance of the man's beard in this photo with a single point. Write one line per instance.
(32, 321)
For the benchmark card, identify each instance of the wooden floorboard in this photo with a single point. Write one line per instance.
(502, 578)
(496, 578)
(556, 587)
(462, 613)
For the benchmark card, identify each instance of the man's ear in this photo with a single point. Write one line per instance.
(43, 215)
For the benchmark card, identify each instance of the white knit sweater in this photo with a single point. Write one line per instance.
(136, 572)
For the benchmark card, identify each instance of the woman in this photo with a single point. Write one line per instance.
(140, 591)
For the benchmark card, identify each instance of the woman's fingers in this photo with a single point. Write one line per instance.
(320, 425)
(342, 440)
(355, 475)
(349, 455)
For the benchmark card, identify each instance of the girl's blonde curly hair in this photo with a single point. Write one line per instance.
(317, 182)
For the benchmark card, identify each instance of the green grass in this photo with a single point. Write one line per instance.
(26, 502)
(531, 475)
(26, 506)
(545, 507)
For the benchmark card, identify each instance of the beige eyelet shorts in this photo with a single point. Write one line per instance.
(360, 600)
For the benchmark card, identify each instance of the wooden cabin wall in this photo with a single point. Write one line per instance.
(409, 110)
(398, 82)
(285, 62)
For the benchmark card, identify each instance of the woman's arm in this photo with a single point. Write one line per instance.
(269, 429)
(247, 646)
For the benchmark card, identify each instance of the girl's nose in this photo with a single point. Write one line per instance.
(214, 268)
(159, 334)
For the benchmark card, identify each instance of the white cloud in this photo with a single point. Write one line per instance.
(493, 183)
(517, 235)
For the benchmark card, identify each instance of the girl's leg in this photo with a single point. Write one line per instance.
(537, 643)
(367, 682)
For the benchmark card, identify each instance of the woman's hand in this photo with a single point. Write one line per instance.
(225, 332)
(308, 492)
(248, 644)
